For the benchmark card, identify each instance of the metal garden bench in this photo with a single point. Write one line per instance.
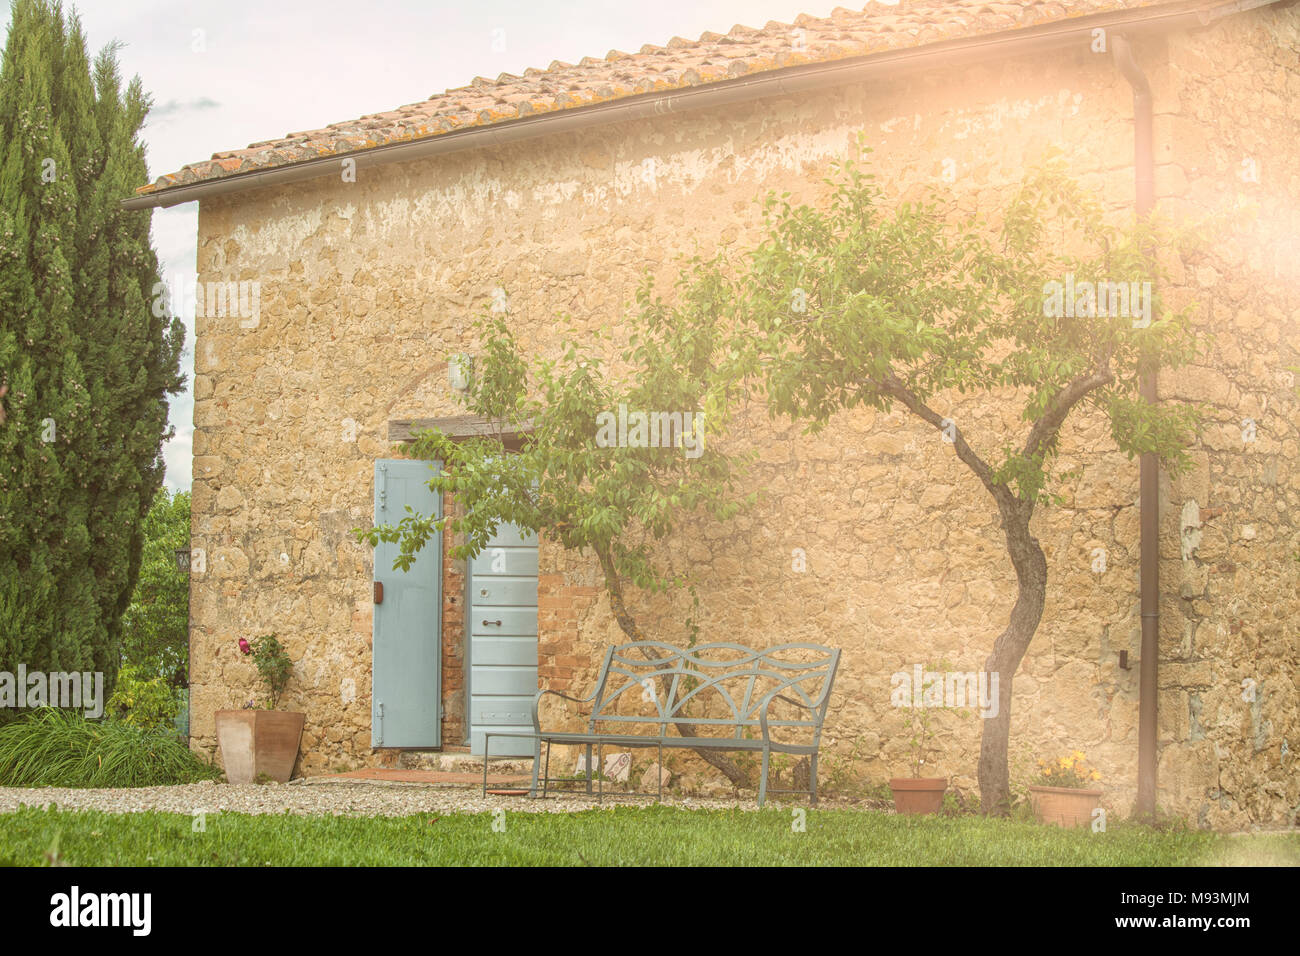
(732, 698)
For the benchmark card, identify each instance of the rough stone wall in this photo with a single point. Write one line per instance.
(1230, 644)
(367, 287)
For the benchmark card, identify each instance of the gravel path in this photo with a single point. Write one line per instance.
(366, 798)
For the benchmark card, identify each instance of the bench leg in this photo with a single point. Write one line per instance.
(762, 782)
(537, 762)
(546, 770)
(588, 769)
(659, 770)
(812, 777)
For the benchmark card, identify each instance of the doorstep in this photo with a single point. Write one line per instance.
(439, 768)
(462, 762)
(444, 778)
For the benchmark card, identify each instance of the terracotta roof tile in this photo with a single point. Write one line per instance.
(712, 58)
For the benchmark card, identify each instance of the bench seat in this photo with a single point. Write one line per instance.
(713, 689)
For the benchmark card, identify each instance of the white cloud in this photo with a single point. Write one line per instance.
(179, 456)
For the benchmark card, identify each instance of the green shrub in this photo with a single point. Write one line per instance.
(149, 703)
(60, 748)
(155, 627)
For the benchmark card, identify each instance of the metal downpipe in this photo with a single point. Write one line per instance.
(1149, 481)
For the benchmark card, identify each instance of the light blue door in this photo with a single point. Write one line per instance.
(407, 646)
(503, 640)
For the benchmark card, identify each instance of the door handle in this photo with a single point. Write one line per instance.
(497, 623)
(379, 592)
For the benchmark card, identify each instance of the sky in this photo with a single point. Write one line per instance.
(223, 75)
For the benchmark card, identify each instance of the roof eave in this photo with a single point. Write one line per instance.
(785, 81)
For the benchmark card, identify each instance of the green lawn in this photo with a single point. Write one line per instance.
(616, 836)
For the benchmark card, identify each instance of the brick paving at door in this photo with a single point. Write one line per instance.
(445, 777)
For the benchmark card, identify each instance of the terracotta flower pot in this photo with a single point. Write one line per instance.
(918, 794)
(255, 742)
(1064, 806)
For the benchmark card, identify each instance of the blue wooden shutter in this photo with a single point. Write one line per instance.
(406, 656)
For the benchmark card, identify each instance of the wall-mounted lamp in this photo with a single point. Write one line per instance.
(459, 367)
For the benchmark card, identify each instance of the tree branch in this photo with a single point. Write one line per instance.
(896, 389)
(1049, 423)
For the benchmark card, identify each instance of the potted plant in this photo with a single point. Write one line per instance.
(917, 794)
(1064, 795)
(258, 742)
(923, 693)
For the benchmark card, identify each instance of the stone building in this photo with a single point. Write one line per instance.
(374, 242)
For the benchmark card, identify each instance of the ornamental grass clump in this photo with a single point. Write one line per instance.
(61, 748)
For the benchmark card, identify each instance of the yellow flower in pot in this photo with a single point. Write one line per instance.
(1065, 795)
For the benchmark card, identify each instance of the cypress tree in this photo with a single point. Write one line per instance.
(85, 364)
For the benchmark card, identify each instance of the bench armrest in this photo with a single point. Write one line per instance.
(537, 723)
(815, 708)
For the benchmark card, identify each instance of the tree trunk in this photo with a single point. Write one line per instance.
(1008, 651)
(1026, 556)
(627, 623)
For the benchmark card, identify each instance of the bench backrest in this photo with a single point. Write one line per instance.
(719, 689)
